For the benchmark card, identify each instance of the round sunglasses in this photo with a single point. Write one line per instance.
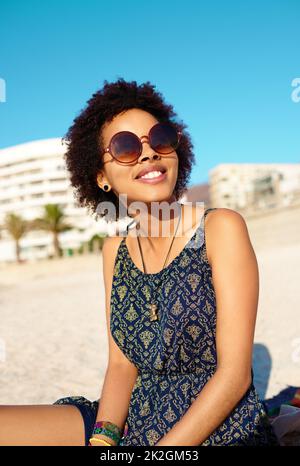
(126, 147)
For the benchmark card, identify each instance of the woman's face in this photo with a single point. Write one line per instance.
(122, 178)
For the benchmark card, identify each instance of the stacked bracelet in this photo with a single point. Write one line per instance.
(109, 429)
(94, 439)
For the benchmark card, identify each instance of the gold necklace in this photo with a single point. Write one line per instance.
(153, 305)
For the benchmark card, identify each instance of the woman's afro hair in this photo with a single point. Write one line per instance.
(84, 143)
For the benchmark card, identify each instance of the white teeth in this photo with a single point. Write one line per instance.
(151, 175)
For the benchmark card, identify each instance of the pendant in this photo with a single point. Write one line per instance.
(153, 312)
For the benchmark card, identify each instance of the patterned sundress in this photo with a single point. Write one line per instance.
(175, 355)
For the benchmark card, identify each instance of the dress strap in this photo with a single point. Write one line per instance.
(200, 233)
(199, 236)
(209, 209)
(204, 215)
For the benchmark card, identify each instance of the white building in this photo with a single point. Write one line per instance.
(32, 175)
(252, 186)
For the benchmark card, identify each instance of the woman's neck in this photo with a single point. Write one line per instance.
(159, 221)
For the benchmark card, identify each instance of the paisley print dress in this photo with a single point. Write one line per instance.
(176, 354)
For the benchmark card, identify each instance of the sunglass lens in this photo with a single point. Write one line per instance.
(125, 147)
(164, 138)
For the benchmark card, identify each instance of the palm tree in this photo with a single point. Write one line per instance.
(16, 227)
(99, 239)
(54, 222)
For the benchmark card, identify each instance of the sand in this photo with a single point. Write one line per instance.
(53, 340)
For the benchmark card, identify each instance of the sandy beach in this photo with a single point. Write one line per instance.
(53, 340)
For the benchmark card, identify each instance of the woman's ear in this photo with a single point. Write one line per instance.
(100, 179)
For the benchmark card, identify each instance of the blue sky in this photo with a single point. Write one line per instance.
(226, 67)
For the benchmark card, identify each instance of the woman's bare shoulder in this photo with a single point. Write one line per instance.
(110, 248)
(111, 241)
(226, 226)
(223, 214)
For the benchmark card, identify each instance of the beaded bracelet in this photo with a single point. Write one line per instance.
(107, 433)
(110, 426)
(100, 440)
(109, 429)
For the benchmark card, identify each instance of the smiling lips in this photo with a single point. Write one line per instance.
(152, 177)
(157, 167)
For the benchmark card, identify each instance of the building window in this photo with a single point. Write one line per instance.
(56, 180)
(58, 193)
(35, 182)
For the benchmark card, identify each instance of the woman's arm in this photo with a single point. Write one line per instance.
(236, 282)
(120, 374)
(115, 397)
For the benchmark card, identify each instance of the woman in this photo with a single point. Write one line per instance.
(180, 312)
